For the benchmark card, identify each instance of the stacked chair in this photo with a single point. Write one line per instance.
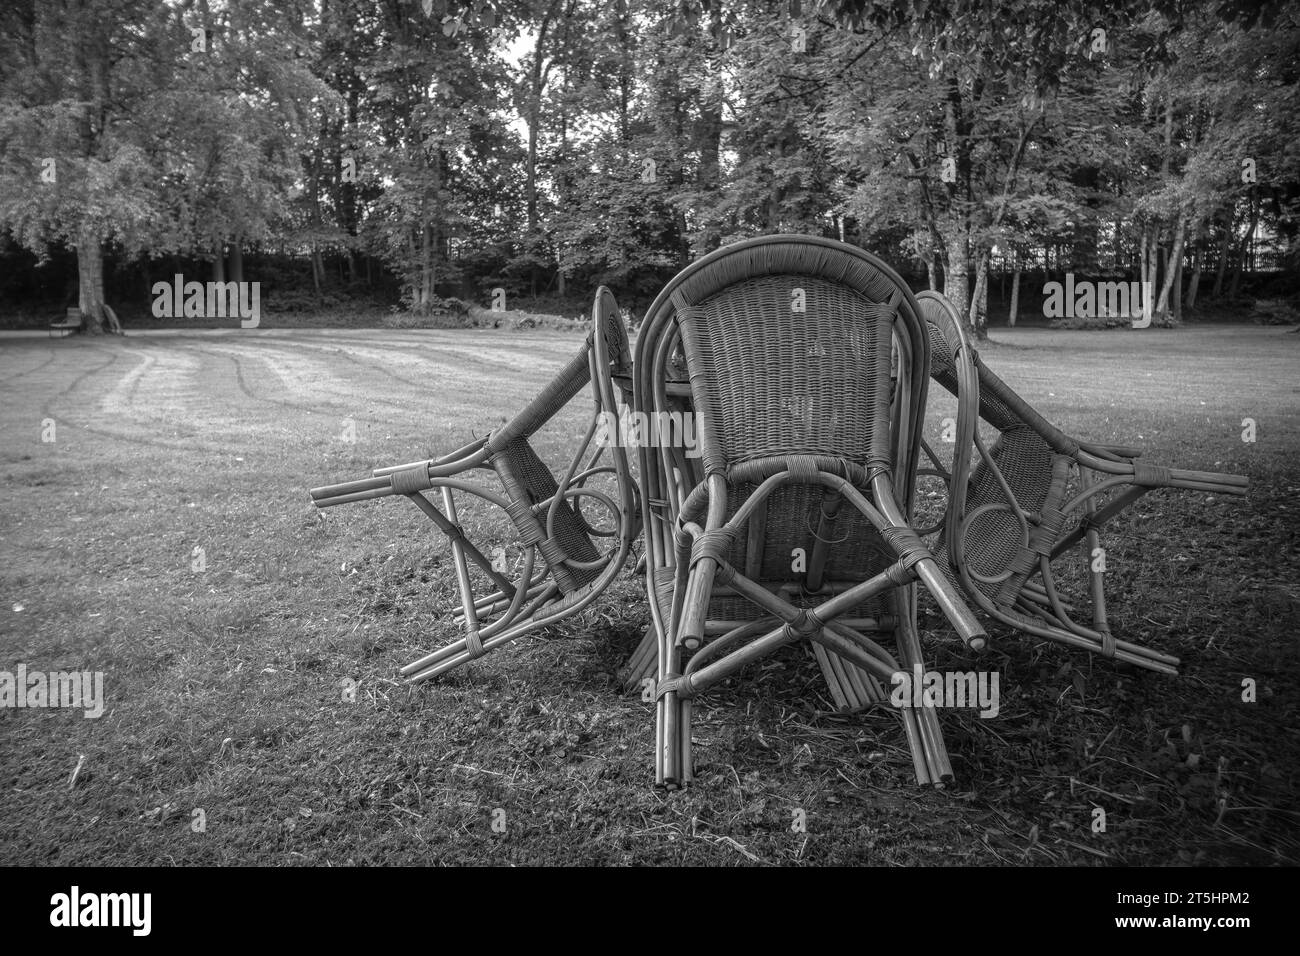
(564, 568)
(804, 363)
(1030, 498)
(779, 391)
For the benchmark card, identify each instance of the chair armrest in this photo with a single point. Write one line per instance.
(947, 321)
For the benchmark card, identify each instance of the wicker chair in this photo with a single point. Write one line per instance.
(546, 513)
(1032, 496)
(789, 520)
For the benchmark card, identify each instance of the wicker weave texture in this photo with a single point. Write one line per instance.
(570, 531)
(775, 381)
(994, 537)
(792, 517)
(992, 408)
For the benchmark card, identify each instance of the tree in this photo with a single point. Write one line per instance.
(156, 127)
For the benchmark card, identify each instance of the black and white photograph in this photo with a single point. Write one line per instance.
(619, 433)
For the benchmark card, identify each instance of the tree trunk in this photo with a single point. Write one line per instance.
(530, 173)
(1224, 240)
(979, 301)
(1244, 246)
(1153, 273)
(1015, 299)
(1162, 305)
(1195, 284)
(1171, 272)
(956, 281)
(91, 71)
(426, 264)
(236, 272)
(984, 296)
(537, 83)
(1177, 296)
(934, 267)
(1147, 262)
(1142, 255)
(90, 280)
(317, 272)
(218, 262)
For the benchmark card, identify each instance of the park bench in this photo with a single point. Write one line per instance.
(70, 323)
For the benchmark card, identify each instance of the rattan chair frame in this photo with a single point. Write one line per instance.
(562, 569)
(1027, 595)
(691, 538)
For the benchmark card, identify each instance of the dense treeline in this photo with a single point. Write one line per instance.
(428, 148)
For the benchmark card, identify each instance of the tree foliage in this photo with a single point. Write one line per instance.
(541, 145)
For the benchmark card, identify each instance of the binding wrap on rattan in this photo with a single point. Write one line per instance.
(805, 624)
(411, 481)
(907, 543)
(1042, 538)
(801, 467)
(1044, 535)
(1150, 476)
(878, 463)
(675, 682)
(899, 573)
(725, 573)
(530, 531)
(713, 544)
(526, 523)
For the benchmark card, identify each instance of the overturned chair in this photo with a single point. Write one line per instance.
(790, 520)
(563, 567)
(1031, 497)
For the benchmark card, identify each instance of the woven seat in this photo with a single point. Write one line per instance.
(788, 521)
(564, 568)
(1031, 497)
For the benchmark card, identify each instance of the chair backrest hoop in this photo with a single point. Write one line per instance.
(762, 270)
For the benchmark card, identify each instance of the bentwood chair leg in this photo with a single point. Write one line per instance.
(934, 752)
(1096, 577)
(672, 742)
(660, 775)
(688, 770)
(673, 736)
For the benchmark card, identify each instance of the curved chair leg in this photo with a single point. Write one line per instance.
(703, 550)
(563, 568)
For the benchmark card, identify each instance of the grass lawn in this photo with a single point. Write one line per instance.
(224, 686)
